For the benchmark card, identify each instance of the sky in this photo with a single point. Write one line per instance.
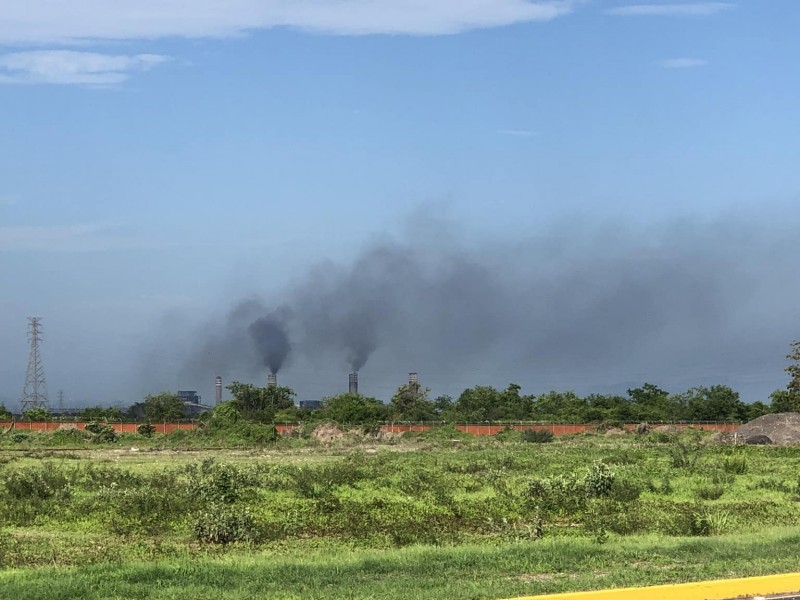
(163, 162)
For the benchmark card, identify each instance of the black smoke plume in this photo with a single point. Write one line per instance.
(271, 340)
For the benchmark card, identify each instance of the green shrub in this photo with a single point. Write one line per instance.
(559, 496)
(710, 492)
(598, 481)
(20, 436)
(211, 482)
(102, 432)
(223, 524)
(537, 436)
(150, 507)
(146, 429)
(685, 454)
(624, 491)
(736, 465)
(34, 483)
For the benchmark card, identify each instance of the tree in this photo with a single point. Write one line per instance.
(100, 413)
(354, 409)
(782, 401)
(5, 414)
(261, 404)
(478, 403)
(37, 414)
(755, 410)
(651, 403)
(788, 400)
(559, 407)
(717, 403)
(794, 369)
(601, 408)
(165, 406)
(485, 403)
(410, 403)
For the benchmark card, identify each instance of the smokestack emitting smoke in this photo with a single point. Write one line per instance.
(218, 390)
(272, 380)
(353, 383)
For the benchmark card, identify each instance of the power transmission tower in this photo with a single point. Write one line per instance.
(34, 394)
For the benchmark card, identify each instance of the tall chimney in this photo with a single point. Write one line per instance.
(353, 388)
(272, 380)
(413, 379)
(218, 390)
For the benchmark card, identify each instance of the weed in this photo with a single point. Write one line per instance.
(537, 436)
(736, 465)
(710, 492)
(685, 454)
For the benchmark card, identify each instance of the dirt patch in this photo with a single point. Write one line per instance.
(327, 433)
(782, 429)
(616, 431)
(538, 577)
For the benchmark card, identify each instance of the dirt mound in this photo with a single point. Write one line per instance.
(781, 429)
(327, 433)
(615, 431)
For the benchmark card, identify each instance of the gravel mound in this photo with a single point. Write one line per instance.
(781, 429)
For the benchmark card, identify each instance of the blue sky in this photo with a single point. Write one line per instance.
(162, 159)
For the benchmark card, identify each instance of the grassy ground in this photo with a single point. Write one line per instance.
(428, 516)
(471, 571)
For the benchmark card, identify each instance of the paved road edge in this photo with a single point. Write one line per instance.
(721, 589)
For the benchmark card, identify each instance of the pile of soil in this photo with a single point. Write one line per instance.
(615, 431)
(327, 433)
(781, 429)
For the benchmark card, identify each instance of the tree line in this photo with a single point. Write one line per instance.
(412, 403)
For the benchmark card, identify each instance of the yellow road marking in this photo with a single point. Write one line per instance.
(704, 590)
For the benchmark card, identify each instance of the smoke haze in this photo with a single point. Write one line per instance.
(581, 306)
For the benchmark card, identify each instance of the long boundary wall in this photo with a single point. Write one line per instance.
(473, 428)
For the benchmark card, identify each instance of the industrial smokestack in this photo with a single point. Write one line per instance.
(413, 379)
(272, 380)
(218, 390)
(353, 388)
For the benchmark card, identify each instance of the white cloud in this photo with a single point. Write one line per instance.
(59, 21)
(70, 67)
(689, 9)
(682, 63)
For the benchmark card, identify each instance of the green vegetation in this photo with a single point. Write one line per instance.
(414, 573)
(371, 517)
(363, 514)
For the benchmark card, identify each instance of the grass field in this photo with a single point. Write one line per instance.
(426, 516)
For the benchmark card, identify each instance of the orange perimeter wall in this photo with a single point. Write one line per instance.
(475, 429)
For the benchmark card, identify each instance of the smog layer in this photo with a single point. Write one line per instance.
(592, 307)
